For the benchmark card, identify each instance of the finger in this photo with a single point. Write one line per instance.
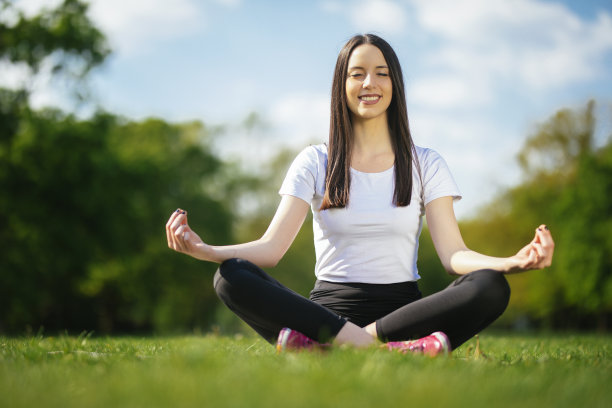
(169, 225)
(179, 220)
(179, 238)
(539, 250)
(171, 230)
(187, 234)
(176, 242)
(548, 246)
(173, 216)
(545, 256)
(545, 237)
(533, 257)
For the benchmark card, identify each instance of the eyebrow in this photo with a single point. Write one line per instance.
(378, 66)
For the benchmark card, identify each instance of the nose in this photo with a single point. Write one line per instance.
(367, 82)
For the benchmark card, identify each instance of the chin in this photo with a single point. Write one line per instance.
(370, 115)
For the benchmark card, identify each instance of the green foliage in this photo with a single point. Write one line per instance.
(558, 143)
(581, 277)
(567, 186)
(65, 30)
(526, 371)
(82, 223)
(84, 201)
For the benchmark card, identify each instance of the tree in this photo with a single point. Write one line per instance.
(83, 213)
(84, 201)
(65, 35)
(567, 181)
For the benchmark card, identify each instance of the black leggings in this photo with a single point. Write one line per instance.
(464, 308)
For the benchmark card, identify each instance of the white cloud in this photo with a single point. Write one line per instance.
(540, 44)
(293, 121)
(301, 118)
(480, 154)
(469, 20)
(472, 48)
(136, 26)
(381, 16)
(447, 91)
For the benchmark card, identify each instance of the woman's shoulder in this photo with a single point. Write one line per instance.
(312, 158)
(316, 150)
(426, 155)
(436, 175)
(313, 154)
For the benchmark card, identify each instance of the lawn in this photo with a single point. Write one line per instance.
(506, 370)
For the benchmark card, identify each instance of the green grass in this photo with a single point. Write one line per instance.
(213, 371)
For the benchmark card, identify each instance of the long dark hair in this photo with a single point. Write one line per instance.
(340, 146)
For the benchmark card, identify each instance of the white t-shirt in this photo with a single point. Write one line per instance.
(371, 240)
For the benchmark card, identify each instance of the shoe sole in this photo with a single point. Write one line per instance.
(443, 339)
(281, 343)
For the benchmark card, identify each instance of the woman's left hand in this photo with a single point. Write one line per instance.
(537, 254)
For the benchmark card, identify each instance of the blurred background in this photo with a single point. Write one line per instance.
(114, 113)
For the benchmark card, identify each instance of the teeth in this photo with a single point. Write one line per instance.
(369, 98)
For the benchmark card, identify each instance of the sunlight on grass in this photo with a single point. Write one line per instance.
(542, 370)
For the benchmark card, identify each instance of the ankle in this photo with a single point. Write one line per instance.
(355, 336)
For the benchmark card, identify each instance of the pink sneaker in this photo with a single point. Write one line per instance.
(432, 345)
(294, 340)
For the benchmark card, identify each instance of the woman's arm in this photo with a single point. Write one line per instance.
(458, 259)
(267, 251)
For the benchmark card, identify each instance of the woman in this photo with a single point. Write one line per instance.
(368, 189)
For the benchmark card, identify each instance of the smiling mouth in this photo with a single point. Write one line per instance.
(369, 98)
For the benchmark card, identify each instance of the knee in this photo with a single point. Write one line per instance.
(224, 279)
(495, 289)
(235, 277)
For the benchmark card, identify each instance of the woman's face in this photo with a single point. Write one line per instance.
(368, 84)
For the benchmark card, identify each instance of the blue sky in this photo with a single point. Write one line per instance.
(480, 74)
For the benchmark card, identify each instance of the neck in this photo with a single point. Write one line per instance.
(371, 135)
(372, 148)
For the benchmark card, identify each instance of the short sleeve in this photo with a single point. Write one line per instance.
(300, 180)
(437, 178)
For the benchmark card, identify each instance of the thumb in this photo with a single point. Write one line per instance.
(186, 232)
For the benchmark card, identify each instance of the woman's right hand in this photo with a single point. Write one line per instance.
(183, 239)
(264, 252)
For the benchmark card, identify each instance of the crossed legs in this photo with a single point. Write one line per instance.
(465, 307)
